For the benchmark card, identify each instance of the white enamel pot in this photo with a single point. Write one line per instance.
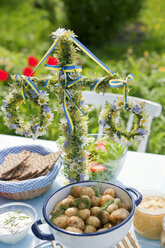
(104, 239)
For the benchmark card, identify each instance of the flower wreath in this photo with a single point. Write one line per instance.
(37, 125)
(111, 114)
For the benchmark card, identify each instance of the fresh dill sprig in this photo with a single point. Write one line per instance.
(104, 207)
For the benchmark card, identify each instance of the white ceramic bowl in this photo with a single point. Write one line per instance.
(22, 208)
(104, 239)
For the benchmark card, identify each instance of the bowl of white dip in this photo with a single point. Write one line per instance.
(15, 221)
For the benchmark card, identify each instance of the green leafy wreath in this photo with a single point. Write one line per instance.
(37, 125)
(111, 114)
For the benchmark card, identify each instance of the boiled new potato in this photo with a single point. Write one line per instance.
(112, 207)
(105, 198)
(71, 212)
(87, 191)
(61, 221)
(95, 210)
(73, 229)
(89, 229)
(104, 217)
(93, 221)
(76, 191)
(110, 192)
(84, 213)
(118, 215)
(84, 202)
(95, 201)
(77, 222)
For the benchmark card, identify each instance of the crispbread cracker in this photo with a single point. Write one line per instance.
(48, 161)
(12, 161)
(27, 165)
(52, 158)
(30, 166)
(40, 165)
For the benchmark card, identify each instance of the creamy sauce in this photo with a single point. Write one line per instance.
(149, 215)
(13, 222)
(153, 204)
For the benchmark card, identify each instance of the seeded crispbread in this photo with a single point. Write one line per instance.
(12, 161)
(52, 158)
(40, 165)
(26, 165)
(31, 166)
(48, 161)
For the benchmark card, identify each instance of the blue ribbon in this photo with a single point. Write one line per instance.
(120, 83)
(91, 55)
(28, 82)
(63, 70)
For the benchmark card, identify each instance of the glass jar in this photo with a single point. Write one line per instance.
(162, 237)
(149, 215)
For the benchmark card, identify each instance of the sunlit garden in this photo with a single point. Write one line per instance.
(133, 44)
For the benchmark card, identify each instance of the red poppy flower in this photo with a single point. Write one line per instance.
(27, 71)
(52, 61)
(32, 61)
(97, 167)
(3, 75)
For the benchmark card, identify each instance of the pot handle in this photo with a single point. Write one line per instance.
(137, 194)
(38, 233)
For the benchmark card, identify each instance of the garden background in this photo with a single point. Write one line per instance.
(128, 36)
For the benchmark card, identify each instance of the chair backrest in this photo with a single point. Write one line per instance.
(153, 109)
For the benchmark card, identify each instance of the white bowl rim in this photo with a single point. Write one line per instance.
(95, 233)
(21, 204)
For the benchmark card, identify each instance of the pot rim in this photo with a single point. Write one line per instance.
(88, 234)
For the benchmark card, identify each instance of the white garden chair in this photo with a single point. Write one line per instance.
(153, 109)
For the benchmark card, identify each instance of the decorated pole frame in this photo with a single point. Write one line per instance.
(68, 84)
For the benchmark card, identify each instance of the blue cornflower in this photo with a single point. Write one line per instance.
(81, 103)
(43, 92)
(82, 177)
(137, 109)
(66, 144)
(102, 122)
(13, 126)
(4, 104)
(114, 107)
(80, 159)
(35, 128)
(141, 131)
(8, 115)
(25, 133)
(46, 108)
(72, 180)
(34, 94)
(62, 77)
